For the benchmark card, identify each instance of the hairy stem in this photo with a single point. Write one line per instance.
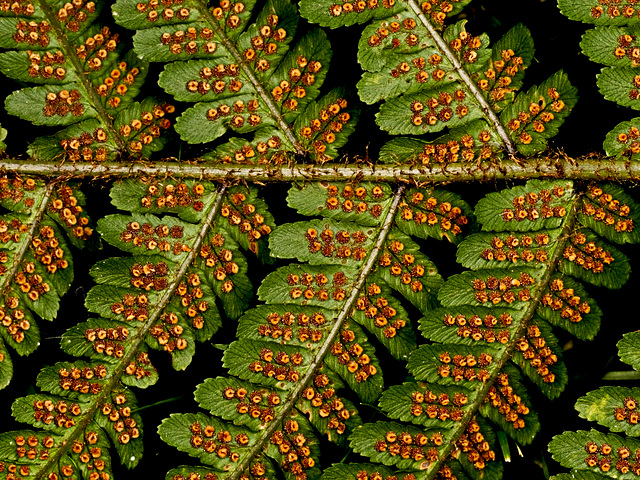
(345, 311)
(134, 342)
(464, 76)
(584, 168)
(529, 312)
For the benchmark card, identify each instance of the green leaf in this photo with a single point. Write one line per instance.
(328, 14)
(494, 250)
(48, 105)
(262, 363)
(433, 213)
(364, 204)
(248, 220)
(325, 286)
(126, 233)
(354, 359)
(326, 124)
(622, 141)
(510, 56)
(573, 449)
(368, 441)
(539, 204)
(383, 315)
(323, 242)
(612, 213)
(540, 358)
(128, 16)
(537, 114)
(289, 324)
(567, 304)
(354, 471)
(514, 290)
(591, 11)
(328, 412)
(397, 64)
(612, 407)
(468, 325)
(427, 404)
(404, 267)
(579, 475)
(595, 261)
(523, 423)
(412, 115)
(74, 137)
(238, 401)
(177, 431)
(610, 45)
(187, 199)
(620, 85)
(433, 363)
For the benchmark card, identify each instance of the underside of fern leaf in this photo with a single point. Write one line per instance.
(499, 310)
(308, 362)
(41, 222)
(310, 339)
(244, 77)
(162, 297)
(433, 77)
(87, 83)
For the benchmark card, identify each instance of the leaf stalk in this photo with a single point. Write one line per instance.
(583, 168)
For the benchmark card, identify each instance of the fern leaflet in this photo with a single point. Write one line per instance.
(36, 268)
(246, 78)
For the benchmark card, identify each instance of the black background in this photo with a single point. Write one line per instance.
(557, 47)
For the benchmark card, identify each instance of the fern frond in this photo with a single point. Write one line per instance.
(613, 43)
(36, 266)
(489, 315)
(245, 77)
(433, 77)
(87, 83)
(597, 455)
(164, 304)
